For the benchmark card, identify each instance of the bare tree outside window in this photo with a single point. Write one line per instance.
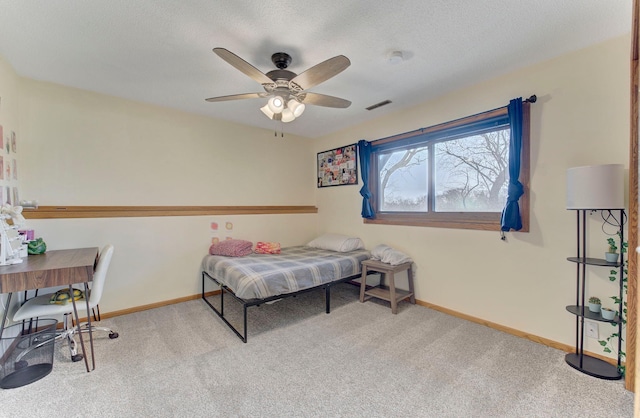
(472, 173)
(403, 180)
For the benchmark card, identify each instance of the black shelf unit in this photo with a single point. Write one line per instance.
(579, 360)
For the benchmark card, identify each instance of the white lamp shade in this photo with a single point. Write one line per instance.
(287, 115)
(276, 104)
(596, 187)
(296, 107)
(265, 109)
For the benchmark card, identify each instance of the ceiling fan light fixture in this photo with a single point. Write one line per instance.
(276, 104)
(267, 111)
(287, 115)
(296, 107)
(284, 88)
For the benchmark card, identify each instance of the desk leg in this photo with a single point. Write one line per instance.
(77, 319)
(4, 315)
(86, 299)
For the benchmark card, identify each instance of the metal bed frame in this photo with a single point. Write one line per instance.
(257, 302)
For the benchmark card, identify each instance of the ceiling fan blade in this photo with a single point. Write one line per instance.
(324, 100)
(321, 72)
(237, 97)
(243, 66)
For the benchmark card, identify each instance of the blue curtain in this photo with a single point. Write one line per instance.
(364, 150)
(511, 213)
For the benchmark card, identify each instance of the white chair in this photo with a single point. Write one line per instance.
(40, 306)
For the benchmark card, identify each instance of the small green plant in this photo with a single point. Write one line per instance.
(612, 246)
(594, 300)
(608, 343)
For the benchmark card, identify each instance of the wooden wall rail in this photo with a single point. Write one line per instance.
(631, 379)
(60, 212)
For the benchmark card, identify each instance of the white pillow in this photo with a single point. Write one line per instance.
(337, 242)
(389, 255)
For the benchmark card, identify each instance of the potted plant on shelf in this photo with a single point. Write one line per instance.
(610, 343)
(608, 314)
(612, 255)
(594, 304)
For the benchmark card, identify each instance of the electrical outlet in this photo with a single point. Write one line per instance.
(592, 329)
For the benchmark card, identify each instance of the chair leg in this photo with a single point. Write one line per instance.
(112, 333)
(70, 332)
(93, 310)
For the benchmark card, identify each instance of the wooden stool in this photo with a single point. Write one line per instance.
(388, 293)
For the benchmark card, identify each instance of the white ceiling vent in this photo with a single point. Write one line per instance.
(377, 105)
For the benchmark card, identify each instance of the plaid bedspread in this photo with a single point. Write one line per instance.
(258, 276)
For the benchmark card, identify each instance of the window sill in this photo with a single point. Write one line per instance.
(474, 221)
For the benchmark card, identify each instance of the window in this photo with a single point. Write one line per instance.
(453, 175)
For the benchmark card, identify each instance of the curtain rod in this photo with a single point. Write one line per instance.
(532, 99)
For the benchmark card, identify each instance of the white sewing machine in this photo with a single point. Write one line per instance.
(10, 240)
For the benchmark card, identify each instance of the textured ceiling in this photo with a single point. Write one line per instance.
(160, 51)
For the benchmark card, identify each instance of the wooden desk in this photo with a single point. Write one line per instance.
(53, 268)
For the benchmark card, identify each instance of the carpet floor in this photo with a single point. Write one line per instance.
(359, 361)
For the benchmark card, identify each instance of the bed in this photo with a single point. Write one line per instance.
(260, 278)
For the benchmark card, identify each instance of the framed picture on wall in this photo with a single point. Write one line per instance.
(338, 167)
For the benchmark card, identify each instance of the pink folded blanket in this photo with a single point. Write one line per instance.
(232, 248)
(267, 248)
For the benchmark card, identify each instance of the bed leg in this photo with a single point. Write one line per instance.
(203, 285)
(245, 324)
(220, 312)
(327, 298)
(222, 300)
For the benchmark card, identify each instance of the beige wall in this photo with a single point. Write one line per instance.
(9, 120)
(10, 143)
(158, 259)
(581, 118)
(90, 149)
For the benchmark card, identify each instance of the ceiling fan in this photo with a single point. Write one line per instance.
(287, 91)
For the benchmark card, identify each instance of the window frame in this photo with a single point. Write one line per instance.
(488, 221)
